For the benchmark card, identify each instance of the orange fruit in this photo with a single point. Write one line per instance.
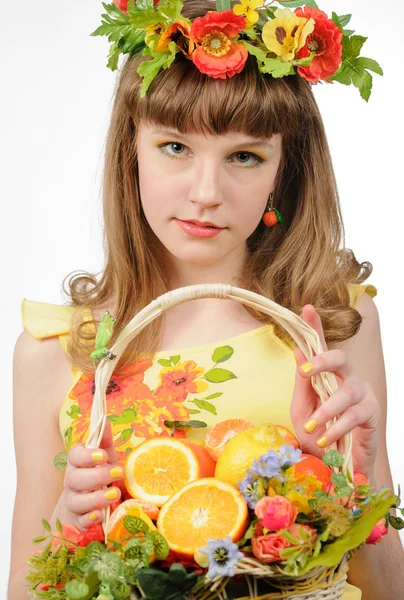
(313, 466)
(221, 433)
(288, 436)
(116, 528)
(158, 467)
(206, 463)
(202, 509)
(149, 509)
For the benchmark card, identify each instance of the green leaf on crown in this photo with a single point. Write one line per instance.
(276, 67)
(341, 20)
(297, 3)
(145, 18)
(223, 5)
(139, 5)
(170, 9)
(354, 68)
(150, 68)
(115, 24)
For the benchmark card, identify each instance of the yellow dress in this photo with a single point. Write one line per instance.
(249, 376)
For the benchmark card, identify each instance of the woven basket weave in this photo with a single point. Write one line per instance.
(322, 583)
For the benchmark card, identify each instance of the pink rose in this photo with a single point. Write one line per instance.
(267, 548)
(275, 512)
(377, 533)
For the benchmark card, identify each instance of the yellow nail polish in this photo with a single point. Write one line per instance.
(97, 456)
(116, 472)
(310, 425)
(322, 441)
(307, 367)
(111, 494)
(92, 516)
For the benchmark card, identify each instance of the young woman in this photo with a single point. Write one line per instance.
(190, 171)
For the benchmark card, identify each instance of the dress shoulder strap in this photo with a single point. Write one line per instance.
(357, 289)
(44, 320)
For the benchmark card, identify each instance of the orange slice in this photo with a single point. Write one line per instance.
(159, 467)
(288, 436)
(221, 433)
(116, 528)
(202, 509)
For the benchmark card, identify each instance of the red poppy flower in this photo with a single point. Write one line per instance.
(325, 41)
(217, 55)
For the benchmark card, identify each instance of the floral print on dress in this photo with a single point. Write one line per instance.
(137, 412)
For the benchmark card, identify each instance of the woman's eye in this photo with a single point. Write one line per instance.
(173, 149)
(247, 159)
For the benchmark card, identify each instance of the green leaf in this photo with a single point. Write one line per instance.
(120, 590)
(170, 9)
(396, 522)
(341, 20)
(296, 3)
(333, 458)
(222, 353)
(59, 526)
(342, 492)
(135, 525)
(60, 461)
(205, 406)
(332, 553)
(68, 437)
(218, 375)
(163, 361)
(126, 435)
(108, 566)
(223, 5)
(141, 549)
(351, 46)
(339, 479)
(40, 538)
(276, 67)
(306, 61)
(94, 550)
(127, 416)
(213, 396)
(161, 549)
(174, 359)
(74, 411)
(259, 53)
(145, 18)
(183, 424)
(76, 589)
(193, 411)
(288, 536)
(139, 5)
(150, 68)
(46, 525)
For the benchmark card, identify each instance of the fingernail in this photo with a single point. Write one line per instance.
(92, 516)
(322, 441)
(116, 472)
(97, 456)
(310, 425)
(307, 367)
(111, 494)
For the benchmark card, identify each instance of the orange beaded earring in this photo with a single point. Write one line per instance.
(272, 216)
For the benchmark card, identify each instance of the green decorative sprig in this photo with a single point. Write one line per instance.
(103, 335)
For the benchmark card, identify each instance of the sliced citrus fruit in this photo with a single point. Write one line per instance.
(288, 436)
(313, 466)
(158, 467)
(240, 452)
(116, 528)
(202, 509)
(149, 509)
(221, 433)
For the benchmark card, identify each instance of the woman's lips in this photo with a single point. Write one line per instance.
(199, 230)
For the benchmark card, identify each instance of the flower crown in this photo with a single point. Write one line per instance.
(283, 41)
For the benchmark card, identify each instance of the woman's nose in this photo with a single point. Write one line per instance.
(206, 184)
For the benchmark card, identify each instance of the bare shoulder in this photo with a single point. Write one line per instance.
(46, 360)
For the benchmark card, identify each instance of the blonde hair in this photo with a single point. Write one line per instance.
(301, 261)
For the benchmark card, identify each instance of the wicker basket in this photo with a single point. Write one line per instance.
(321, 583)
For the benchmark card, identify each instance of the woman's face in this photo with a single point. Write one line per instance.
(203, 196)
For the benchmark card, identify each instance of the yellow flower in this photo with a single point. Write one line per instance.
(247, 8)
(287, 33)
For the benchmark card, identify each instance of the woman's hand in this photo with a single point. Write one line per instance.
(354, 403)
(88, 470)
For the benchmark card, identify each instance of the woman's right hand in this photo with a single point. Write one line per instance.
(89, 470)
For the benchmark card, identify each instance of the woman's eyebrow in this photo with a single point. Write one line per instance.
(256, 142)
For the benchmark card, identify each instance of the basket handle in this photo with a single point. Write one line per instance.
(307, 339)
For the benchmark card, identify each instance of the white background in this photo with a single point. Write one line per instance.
(54, 111)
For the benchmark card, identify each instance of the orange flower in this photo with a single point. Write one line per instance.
(217, 54)
(179, 33)
(325, 41)
(152, 415)
(180, 380)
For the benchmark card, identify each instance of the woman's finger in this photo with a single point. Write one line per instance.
(335, 361)
(348, 395)
(80, 504)
(83, 480)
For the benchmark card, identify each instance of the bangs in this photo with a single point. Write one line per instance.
(185, 99)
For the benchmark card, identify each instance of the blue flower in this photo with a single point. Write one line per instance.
(252, 489)
(272, 463)
(223, 556)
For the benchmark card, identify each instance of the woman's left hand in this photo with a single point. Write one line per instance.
(354, 403)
